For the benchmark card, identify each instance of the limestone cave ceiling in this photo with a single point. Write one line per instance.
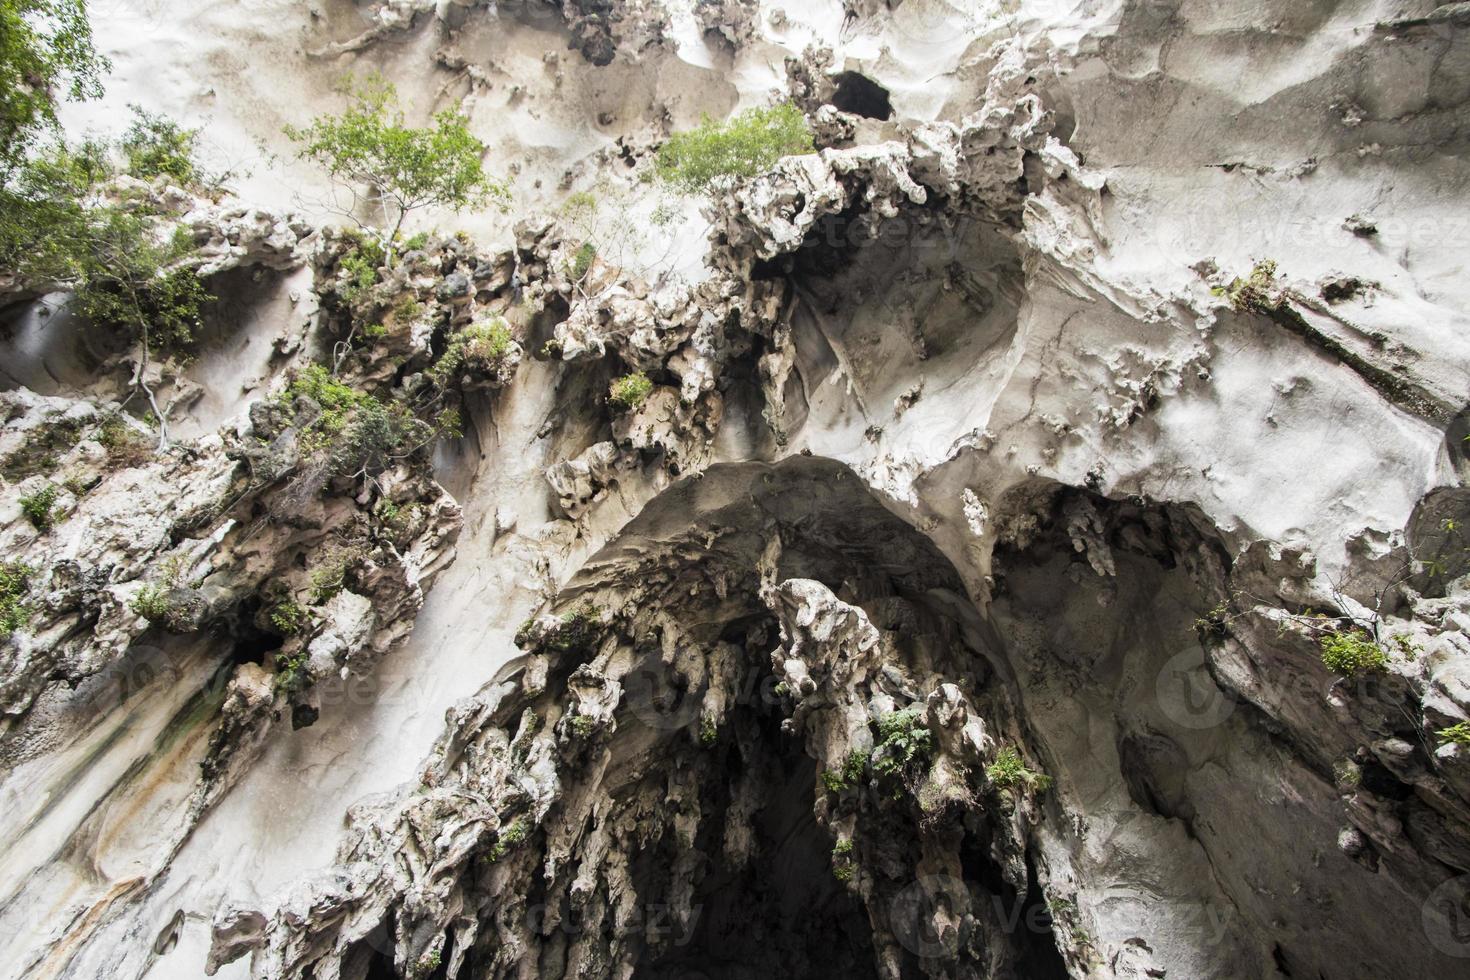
(1005, 520)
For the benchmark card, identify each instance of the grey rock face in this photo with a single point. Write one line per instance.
(1035, 545)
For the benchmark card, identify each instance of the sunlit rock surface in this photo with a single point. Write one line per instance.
(953, 605)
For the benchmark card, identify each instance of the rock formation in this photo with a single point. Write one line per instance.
(1025, 536)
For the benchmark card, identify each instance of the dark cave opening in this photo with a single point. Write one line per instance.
(860, 95)
(250, 643)
(781, 912)
(725, 813)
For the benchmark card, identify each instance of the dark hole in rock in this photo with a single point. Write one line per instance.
(251, 643)
(304, 716)
(1380, 782)
(861, 96)
(780, 914)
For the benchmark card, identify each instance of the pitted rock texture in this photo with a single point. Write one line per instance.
(973, 594)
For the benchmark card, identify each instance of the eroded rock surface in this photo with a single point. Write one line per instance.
(1036, 545)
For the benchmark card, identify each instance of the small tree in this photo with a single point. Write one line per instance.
(156, 145)
(45, 45)
(407, 168)
(126, 266)
(744, 146)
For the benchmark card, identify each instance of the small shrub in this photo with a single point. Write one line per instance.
(509, 837)
(1457, 734)
(709, 733)
(1352, 652)
(903, 743)
(122, 281)
(15, 582)
(843, 866)
(629, 391)
(429, 963)
(850, 774)
(1009, 771)
(1214, 623)
(481, 348)
(583, 726)
(330, 575)
(369, 144)
(355, 430)
(156, 146)
(288, 618)
(291, 675)
(151, 602)
(1254, 293)
(39, 507)
(582, 261)
(580, 205)
(336, 400)
(745, 146)
(416, 242)
(359, 267)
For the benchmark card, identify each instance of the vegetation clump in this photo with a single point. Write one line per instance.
(15, 582)
(45, 49)
(125, 446)
(904, 743)
(582, 261)
(408, 168)
(482, 348)
(288, 618)
(359, 267)
(156, 146)
(577, 631)
(151, 602)
(1254, 294)
(629, 391)
(844, 867)
(1352, 652)
(125, 271)
(160, 602)
(330, 576)
(850, 774)
(291, 675)
(1458, 734)
(39, 507)
(742, 147)
(509, 837)
(1009, 771)
(354, 432)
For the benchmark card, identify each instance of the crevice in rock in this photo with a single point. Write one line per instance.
(860, 95)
